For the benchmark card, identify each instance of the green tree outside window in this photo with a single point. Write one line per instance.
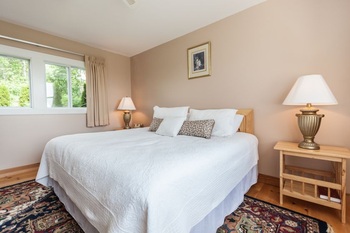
(58, 79)
(14, 76)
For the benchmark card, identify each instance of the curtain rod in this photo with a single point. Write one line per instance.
(40, 45)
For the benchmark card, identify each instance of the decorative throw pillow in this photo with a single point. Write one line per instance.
(155, 124)
(224, 120)
(200, 128)
(170, 126)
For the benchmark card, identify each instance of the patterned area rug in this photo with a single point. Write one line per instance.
(255, 216)
(31, 207)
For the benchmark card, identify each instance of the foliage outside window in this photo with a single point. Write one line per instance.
(65, 86)
(14, 82)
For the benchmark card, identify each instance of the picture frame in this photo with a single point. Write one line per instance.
(199, 61)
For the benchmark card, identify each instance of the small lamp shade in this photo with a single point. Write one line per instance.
(311, 89)
(127, 105)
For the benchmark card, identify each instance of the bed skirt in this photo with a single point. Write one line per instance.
(207, 225)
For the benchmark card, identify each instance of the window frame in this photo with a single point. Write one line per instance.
(69, 82)
(37, 81)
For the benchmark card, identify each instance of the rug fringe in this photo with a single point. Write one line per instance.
(329, 229)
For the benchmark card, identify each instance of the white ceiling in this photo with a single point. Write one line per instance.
(114, 25)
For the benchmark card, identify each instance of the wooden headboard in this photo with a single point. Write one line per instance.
(247, 124)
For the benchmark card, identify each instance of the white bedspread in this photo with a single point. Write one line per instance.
(138, 181)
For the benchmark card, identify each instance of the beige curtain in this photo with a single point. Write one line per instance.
(96, 92)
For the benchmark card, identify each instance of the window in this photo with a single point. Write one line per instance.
(38, 83)
(14, 82)
(65, 86)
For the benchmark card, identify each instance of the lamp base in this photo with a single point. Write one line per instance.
(309, 123)
(127, 118)
(309, 145)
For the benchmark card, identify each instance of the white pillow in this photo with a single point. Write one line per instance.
(159, 112)
(170, 126)
(237, 122)
(224, 120)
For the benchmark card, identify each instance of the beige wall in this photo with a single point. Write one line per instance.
(257, 55)
(23, 137)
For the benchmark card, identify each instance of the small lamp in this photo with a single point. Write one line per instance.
(310, 90)
(127, 105)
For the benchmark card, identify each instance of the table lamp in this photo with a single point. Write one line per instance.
(127, 105)
(310, 90)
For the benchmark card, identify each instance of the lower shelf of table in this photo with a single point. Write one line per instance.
(307, 194)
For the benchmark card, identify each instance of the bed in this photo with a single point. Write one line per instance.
(139, 181)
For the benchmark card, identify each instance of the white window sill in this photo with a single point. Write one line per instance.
(51, 111)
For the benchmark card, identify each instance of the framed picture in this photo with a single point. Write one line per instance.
(198, 59)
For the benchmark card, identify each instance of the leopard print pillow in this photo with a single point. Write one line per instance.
(155, 124)
(199, 128)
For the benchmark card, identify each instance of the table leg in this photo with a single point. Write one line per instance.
(343, 191)
(281, 176)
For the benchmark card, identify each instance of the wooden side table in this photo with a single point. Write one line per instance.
(310, 184)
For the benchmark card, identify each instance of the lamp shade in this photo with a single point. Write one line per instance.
(126, 104)
(311, 89)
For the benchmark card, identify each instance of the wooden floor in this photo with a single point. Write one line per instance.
(266, 189)
(18, 175)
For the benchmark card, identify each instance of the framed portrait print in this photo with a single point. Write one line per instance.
(198, 59)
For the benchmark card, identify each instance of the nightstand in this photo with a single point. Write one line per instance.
(326, 188)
